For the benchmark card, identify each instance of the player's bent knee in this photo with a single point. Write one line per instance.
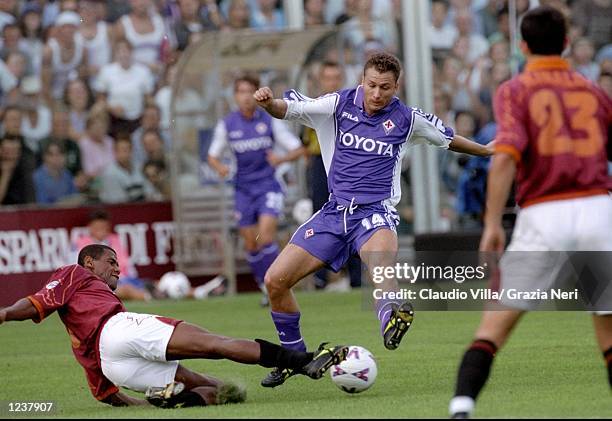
(274, 283)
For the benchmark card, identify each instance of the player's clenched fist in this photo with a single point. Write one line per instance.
(263, 96)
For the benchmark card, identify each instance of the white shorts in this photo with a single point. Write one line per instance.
(133, 351)
(581, 224)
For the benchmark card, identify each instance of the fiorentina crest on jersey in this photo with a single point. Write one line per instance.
(309, 233)
(388, 126)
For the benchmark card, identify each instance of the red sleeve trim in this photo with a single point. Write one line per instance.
(510, 150)
(39, 308)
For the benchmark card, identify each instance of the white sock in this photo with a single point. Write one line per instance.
(461, 404)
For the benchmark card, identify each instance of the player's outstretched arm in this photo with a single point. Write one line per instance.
(121, 399)
(277, 108)
(464, 145)
(21, 310)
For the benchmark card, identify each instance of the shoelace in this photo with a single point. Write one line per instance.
(350, 209)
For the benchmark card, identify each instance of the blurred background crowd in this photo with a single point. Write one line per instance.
(85, 86)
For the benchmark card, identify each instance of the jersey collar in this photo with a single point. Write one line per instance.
(547, 63)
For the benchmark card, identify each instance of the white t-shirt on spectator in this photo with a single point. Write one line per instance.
(162, 100)
(126, 87)
(479, 46)
(121, 185)
(8, 81)
(442, 38)
(34, 134)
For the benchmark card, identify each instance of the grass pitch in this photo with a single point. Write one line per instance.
(551, 366)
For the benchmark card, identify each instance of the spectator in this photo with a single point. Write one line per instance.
(52, 180)
(594, 17)
(346, 13)
(453, 82)
(163, 98)
(79, 100)
(441, 34)
(11, 125)
(314, 12)
(60, 135)
(191, 21)
(125, 86)
(151, 118)
(362, 28)
(99, 226)
(156, 174)
(7, 12)
(8, 83)
(30, 23)
(605, 82)
(10, 41)
(238, 15)
(96, 146)
(17, 64)
(97, 37)
(153, 147)
(16, 185)
(488, 17)
(582, 59)
(64, 56)
(121, 181)
(477, 45)
(267, 17)
(36, 121)
(143, 29)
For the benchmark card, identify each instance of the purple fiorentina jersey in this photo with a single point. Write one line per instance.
(363, 154)
(250, 141)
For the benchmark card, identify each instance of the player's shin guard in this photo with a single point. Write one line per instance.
(473, 374)
(273, 355)
(608, 357)
(288, 329)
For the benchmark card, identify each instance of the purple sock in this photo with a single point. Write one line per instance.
(288, 329)
(268, 253)
(258, 270)
(383, 312)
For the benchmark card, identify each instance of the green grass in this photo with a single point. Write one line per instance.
(551, 367)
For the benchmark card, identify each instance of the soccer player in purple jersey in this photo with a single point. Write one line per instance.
(140, 352)
(252, 135)
(364, 134)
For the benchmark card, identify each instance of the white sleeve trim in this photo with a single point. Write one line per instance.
(428, 131)
(283, 136)
(312, 112)
(219, 141)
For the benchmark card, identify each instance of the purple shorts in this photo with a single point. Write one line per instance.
(334, 234)
(249, 204)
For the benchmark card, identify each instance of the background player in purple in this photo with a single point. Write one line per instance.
(364, 134)
(140, 351)
(252, 136)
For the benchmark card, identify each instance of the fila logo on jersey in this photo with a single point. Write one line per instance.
(388, 126)
(350, 117)
(366, 144)
(309, 233)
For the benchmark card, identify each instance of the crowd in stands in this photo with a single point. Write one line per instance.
(85, 85)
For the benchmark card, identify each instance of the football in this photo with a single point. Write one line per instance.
(174, 284)
(357, 373)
